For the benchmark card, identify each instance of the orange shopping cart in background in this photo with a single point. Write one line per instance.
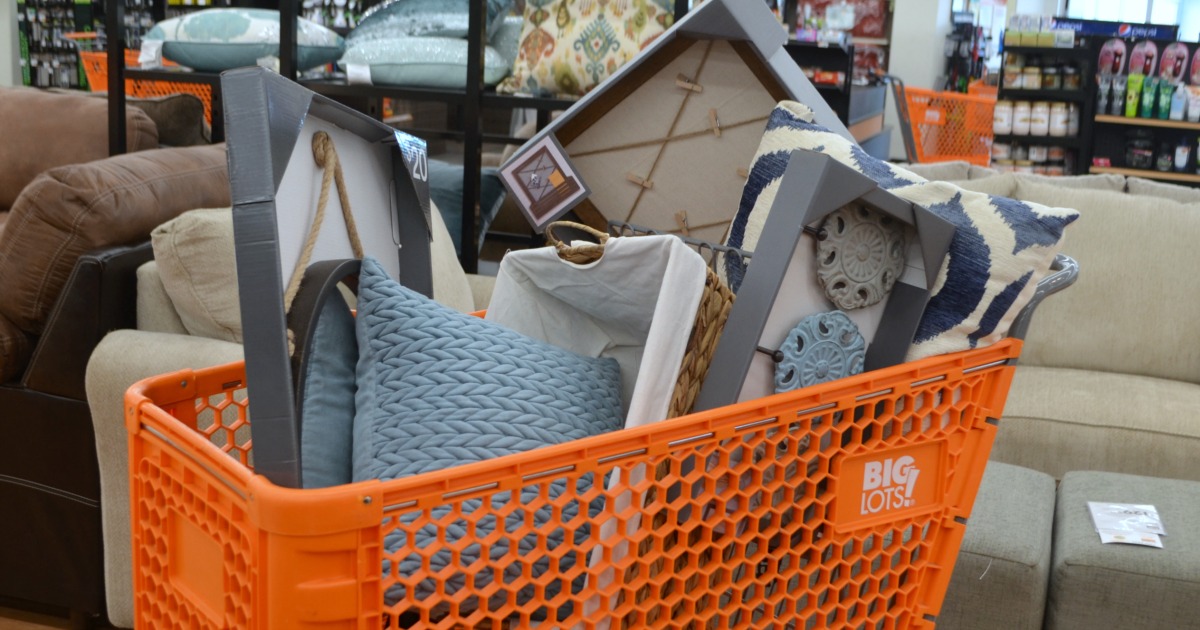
(95, 68)
(838, 505)
(944, 126)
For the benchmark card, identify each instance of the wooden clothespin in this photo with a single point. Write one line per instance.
(682, 220)
(714, 123)
(640, 181)
(687, 84)
(743, 173)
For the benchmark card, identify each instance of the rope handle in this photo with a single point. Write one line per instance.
(578, 254)
(326, 157)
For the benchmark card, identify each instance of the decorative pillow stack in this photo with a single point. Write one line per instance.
(423, 43)
(213, 40)
(1001, 249)
(437, 388)
(570, 46)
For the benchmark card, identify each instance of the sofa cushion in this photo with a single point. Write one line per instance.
(1099, 421)
(178, 117)
(3, 218)
(43, 130)
(69, 210)
(941, 171)
(1093, 585)
(1000, 578)
(1096, 182)
(1151, 188)
(195, 257)
(1001, 185)
(1122, 244)
(15, 350)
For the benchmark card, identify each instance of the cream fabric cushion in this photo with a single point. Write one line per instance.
(195, 256)
(1100, 181)
(941, 171)
(155, 311)
(196, 264)
(1134, 308)
(1061, 419)
(980, 172)
(1151, 188)
(1002, 185)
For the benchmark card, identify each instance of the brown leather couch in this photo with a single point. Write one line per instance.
(74, 227)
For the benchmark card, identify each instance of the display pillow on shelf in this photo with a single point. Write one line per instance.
(569, 46)
(433, 62)
(1002, 247)
(665, 142)
(424, 18)
(213, 40)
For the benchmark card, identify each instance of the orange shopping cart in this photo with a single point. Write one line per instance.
(95, 68)
(838, 505)
(944, 126)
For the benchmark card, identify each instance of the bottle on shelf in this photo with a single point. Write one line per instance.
(1165, 158)
(1178, 103)
(1183, 155)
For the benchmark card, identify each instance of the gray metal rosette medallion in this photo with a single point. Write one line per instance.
(860, 253)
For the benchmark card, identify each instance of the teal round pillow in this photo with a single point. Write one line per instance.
(213, 40)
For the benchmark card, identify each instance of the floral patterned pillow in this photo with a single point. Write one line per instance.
(570, 46)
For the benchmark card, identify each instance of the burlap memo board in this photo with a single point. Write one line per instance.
(665, 142)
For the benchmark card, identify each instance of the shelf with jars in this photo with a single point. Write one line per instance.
(1042, 105)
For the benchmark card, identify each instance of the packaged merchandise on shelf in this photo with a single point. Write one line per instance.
(1119, 86)
(1179, 101)
(1149, 97)
(1039, 119)
(1166, 92)
(1133, 95)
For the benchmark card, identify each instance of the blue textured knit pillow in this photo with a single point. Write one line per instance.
(1001, 249)
(437, 388)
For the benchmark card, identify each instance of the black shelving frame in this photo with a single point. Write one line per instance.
(471, 101)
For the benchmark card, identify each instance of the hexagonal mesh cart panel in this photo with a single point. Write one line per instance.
(841, 505)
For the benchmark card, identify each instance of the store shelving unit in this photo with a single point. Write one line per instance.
(468, 103)
(1170, 176)
(1148, 122)
(1079, 57)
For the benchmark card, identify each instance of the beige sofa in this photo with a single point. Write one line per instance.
(188, 317)
(1110, 376)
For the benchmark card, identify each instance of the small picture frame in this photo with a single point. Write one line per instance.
(543, 181)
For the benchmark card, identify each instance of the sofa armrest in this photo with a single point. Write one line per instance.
(123, 358)
(155, 310)
(99, 297)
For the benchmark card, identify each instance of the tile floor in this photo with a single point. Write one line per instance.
(20, 620)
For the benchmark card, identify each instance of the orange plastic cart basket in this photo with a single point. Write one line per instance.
(949, 126)
(95, 68)
(840, 505)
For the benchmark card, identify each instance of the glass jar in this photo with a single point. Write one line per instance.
(1021, 114)
(1020, 152)
(1051, 79)
(1039, 154)
(1059, 118)
(1013, 79)
(1054, 169)
(1039, 119)
(1032, 78)
(1001, 151)
(1055, 153)
(1002, 118)
(1071, 79)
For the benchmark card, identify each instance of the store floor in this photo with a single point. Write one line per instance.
(20, 620)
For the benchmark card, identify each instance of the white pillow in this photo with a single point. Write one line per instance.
(213, 40)
(434, 62)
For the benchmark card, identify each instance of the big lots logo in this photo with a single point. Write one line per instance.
(888, 484)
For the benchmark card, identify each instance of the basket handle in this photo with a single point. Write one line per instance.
(578, 254)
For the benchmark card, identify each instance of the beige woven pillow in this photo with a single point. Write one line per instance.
(195, 256)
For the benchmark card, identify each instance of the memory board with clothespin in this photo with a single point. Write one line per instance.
(285, 142)
(666, 141)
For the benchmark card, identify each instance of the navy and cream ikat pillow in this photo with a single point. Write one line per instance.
(1001, 249)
